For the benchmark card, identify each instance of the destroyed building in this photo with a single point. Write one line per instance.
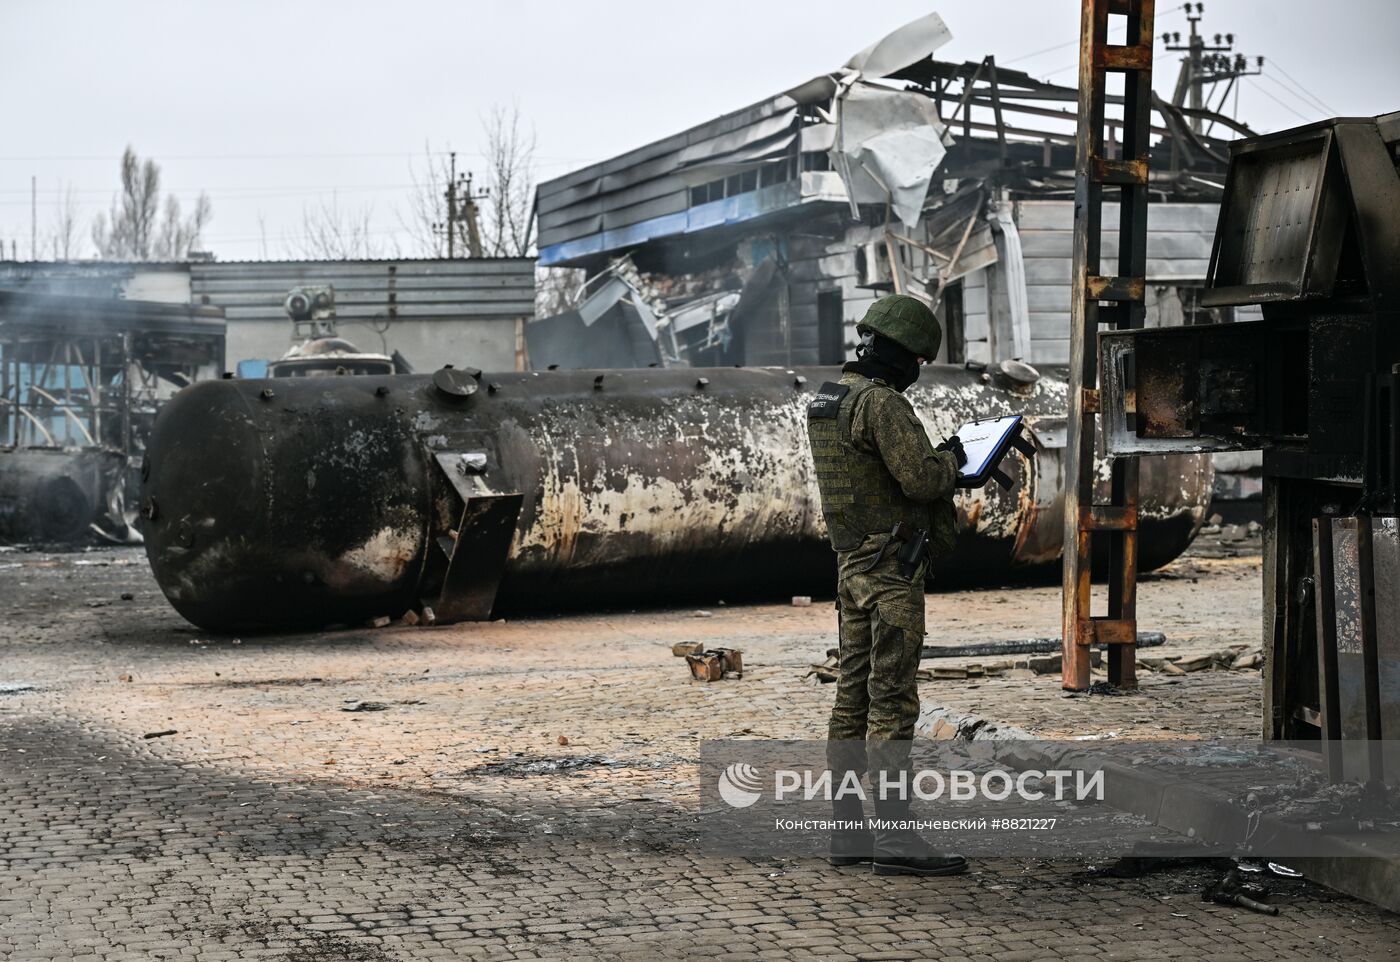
(760, 237)
(81, 379)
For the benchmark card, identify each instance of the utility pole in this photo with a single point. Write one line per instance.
(451, 205)
(471, 215)
(461, 208)
(33, 217)
(1205, 64)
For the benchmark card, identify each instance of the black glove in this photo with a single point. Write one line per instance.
(954, 444)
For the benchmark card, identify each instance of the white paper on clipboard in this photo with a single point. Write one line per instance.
(984, 442)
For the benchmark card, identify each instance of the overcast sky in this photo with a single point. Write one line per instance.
(274, 106)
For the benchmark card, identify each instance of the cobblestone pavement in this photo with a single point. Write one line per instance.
(526, 789)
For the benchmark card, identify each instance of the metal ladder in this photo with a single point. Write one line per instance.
(1124, 293)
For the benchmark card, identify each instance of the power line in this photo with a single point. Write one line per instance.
(1285, 106)
(1028, 56)
(1322, 104)
(1071, 43)
(1289, 92)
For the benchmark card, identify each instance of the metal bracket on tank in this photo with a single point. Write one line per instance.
(476, 559)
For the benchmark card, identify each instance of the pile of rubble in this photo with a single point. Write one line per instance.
(1219, 540)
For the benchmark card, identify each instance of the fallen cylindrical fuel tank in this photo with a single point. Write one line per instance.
(297, 503)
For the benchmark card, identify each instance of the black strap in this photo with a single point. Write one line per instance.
(877, 559)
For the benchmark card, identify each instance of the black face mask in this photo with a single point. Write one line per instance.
(879, 357)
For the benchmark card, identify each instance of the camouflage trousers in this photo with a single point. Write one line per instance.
(882, 637)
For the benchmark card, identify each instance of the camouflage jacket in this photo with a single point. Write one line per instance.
(875, 465)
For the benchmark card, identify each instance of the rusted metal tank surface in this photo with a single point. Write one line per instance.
(296, 503)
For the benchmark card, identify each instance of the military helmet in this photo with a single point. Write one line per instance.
(905, 320)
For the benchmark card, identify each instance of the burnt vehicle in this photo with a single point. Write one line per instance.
(294, 502)
(81, 379)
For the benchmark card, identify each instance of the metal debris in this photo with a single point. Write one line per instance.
(1231, 889)
(716, 664)
(1024, 646)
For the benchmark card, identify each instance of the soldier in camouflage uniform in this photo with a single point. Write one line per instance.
(875, 467)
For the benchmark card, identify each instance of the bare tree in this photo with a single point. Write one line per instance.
(135, 229)
(330, 232)
(427, 205)
(64, 227)
(177, 234)
(507, 210)
(509, 221)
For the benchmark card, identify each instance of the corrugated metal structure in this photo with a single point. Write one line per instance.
(784, 203)
(464, 311)
(496, 288)
(467, 311)
(1178, 254)
(722, 173)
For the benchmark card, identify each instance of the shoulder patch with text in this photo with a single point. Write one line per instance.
(827, 401)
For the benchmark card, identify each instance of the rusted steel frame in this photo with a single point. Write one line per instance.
(1131, 313)
(1088, 287)
(1077, 632)
(1125, 172)
(1134, 57)
(1116, 288)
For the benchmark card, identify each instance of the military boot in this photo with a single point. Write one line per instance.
(903, 851)
(854, 845)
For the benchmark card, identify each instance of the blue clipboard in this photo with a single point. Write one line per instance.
(987, 442)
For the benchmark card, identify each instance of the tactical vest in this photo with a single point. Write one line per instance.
(859, 495)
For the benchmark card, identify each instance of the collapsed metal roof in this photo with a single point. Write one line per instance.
(874, 131)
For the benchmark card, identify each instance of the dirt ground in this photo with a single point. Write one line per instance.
(527, 788)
